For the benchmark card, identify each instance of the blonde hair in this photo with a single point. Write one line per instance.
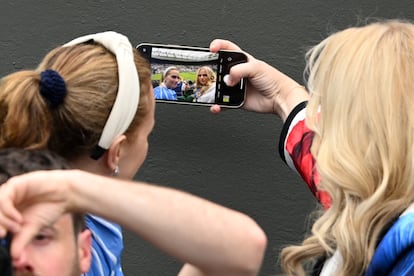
(211, 79)
(73, 128)
(361, 111)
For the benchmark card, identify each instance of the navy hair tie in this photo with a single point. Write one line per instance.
(52, 87)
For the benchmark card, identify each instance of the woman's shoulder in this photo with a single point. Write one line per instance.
(395, 252)
(212, 87)
(107, 246)
(98, 224)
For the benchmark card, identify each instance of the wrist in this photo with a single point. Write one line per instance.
(78, 181)
(288, 98)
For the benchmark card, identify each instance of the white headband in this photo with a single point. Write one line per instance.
(126, 102)
(167, 70)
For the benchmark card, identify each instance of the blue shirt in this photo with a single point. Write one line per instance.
(163, 93)
(107, 246)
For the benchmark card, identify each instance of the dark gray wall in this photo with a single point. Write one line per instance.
(232, 158)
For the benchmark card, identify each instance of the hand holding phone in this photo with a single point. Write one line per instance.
(192, 75)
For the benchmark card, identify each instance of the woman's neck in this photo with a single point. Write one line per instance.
(88, 164)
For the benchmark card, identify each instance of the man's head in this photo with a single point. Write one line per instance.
(63, 248)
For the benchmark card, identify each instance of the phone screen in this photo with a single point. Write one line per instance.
(192, 75)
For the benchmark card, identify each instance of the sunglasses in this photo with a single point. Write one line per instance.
(202, 75)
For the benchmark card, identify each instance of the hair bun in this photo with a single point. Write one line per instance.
(52, 87)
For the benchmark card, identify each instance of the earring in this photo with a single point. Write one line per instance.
(116, 171)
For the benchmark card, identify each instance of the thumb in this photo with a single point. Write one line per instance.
(22, 238)
(35, 218)
(215, 109)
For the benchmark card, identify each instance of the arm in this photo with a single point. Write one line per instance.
(271, 91)
(214, 239)
(268, 89)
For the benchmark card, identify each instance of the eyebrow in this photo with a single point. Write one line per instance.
(48, 228)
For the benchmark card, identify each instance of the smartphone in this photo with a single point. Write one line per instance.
(5, 258)
(193, 75)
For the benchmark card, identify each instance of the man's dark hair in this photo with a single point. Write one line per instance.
(15, 161)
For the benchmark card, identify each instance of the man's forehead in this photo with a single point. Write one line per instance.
(64, 224)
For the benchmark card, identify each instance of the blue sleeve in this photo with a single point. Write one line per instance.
(107, 246)
(405, 265)
(395, 253)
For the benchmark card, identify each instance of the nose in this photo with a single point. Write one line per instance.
(22, 263)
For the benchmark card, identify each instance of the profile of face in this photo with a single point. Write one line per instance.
(134, 142)
(56, 251)
(137, 144)
(171, 78)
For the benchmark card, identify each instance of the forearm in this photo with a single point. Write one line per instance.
(211, 237)
(288, 94)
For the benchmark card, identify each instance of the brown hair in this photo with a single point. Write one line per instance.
(91, 75)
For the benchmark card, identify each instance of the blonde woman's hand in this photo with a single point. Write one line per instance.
(268, 89)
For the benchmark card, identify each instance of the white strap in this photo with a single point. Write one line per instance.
(332, 264)
(410, 209)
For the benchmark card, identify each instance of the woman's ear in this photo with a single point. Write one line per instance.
(114, 152)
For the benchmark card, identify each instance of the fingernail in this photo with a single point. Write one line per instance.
(226, 79)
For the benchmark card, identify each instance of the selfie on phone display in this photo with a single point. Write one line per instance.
(184, 83)
(191, 75)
